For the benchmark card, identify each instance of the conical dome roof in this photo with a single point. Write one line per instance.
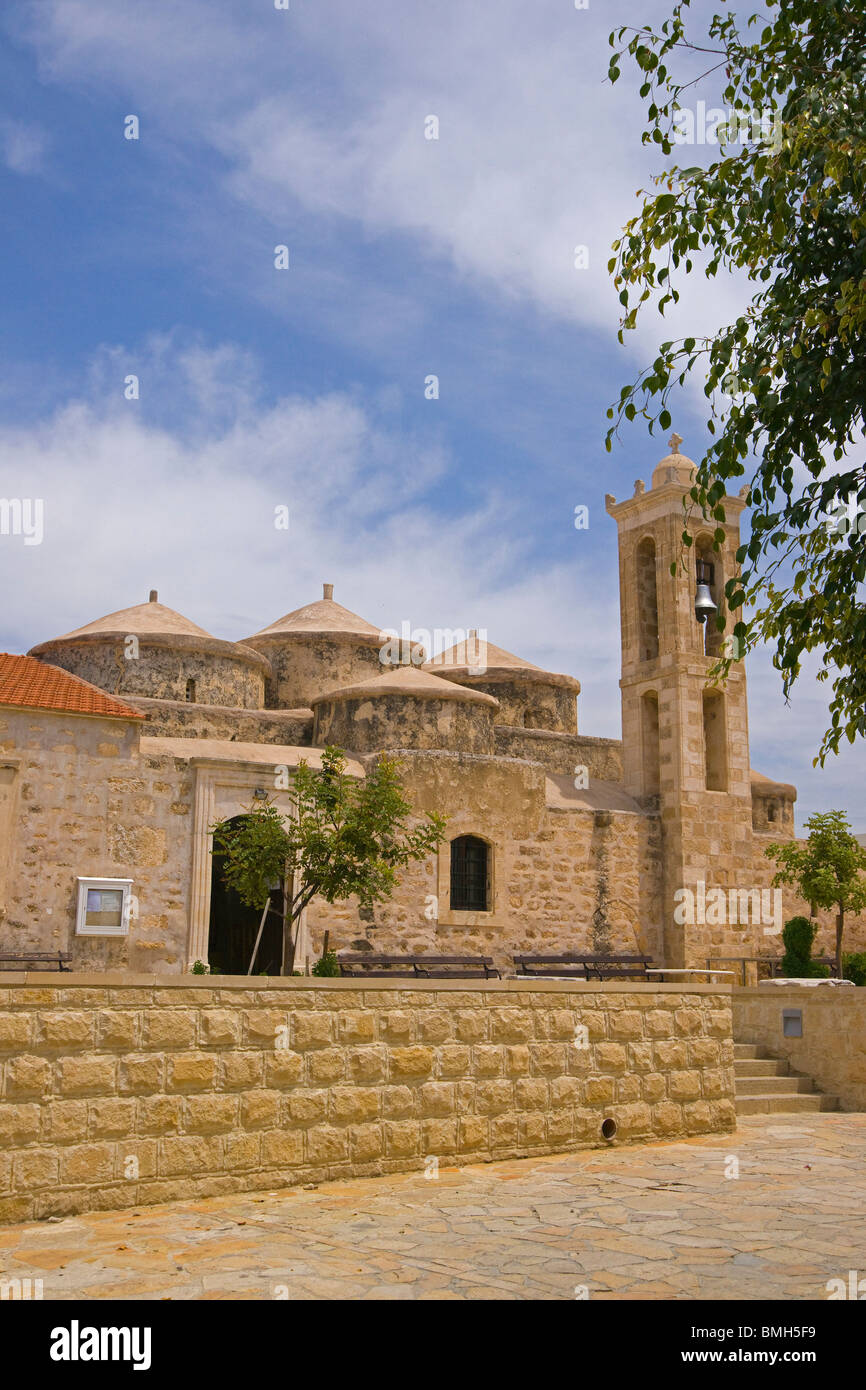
(478, 658)
(408, 680)
(325, 617)
(152, 618)
(477, 651)
(157, 623)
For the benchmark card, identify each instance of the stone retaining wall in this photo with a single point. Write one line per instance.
(120, 1091)
(832, 1049)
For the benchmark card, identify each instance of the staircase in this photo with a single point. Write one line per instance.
(764, 1085)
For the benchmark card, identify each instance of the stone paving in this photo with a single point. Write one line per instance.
(653, 1221)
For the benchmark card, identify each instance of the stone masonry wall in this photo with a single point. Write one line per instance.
(368, 725)
(562, 753)
(121, 1091)
(833, 1046)
(180, 719)
(85, 802)
(161, 672)
(531, 704)
(562, 880)
(309, 664)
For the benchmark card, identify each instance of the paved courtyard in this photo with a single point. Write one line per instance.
(666, 1221)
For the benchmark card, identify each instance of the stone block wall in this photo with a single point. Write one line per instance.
(223, 672)
(82, 800)
(526, 702)
(400, 721)
(121, 1091)
(562, 880)
(832, 1049)
(307, 664)
(562, 753)
(179, 719)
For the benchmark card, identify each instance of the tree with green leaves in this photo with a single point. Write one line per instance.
(784, 202)
(798, 939)
(343, 837)
(827, 870)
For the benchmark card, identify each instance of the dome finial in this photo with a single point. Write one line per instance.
(674, 442)
(154, 596)
(327, 591)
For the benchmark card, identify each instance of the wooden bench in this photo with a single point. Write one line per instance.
(422, 967)
(569, 966)
(618, 967)
(24, 959)
(574, 966)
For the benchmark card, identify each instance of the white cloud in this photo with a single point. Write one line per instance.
(321, 112)
(186, 504)
(23, 146)
(785, 738)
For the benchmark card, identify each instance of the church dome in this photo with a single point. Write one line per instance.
(405, 708)
(674, 467)
(154, 651)
(324, 617)
(529, 697)
(317, 648)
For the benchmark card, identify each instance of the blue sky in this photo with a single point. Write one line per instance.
(305, 387)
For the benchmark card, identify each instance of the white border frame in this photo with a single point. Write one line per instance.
(84, 885)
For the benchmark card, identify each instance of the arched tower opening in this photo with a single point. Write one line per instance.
(715, 741)
(650, 755)
(647, 600)
(712, 639)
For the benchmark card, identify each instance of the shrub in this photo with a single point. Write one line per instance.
(798, 936)
(854, 967)
(199, 968)
(328, 965)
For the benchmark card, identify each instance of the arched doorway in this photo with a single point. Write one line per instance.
(234, 927)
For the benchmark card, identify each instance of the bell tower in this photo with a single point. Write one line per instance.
(685, 742)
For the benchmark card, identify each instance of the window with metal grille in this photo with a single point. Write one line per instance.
(469, 874)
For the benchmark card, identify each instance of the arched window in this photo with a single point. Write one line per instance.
(650, 755)
(647, 599)
(715, 742)
(190, 691)
(469, 874)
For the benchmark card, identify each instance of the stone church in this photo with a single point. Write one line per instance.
(124, 741)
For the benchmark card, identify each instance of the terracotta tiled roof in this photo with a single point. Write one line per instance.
(33, 684)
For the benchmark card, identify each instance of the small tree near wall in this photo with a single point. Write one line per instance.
(344, 837)
(826, 871)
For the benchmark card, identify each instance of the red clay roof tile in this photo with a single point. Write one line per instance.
(33, 684)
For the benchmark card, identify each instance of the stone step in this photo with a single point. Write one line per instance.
(748, 1050)
(772, 1085)
(785, 1104)
(764, 1066)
